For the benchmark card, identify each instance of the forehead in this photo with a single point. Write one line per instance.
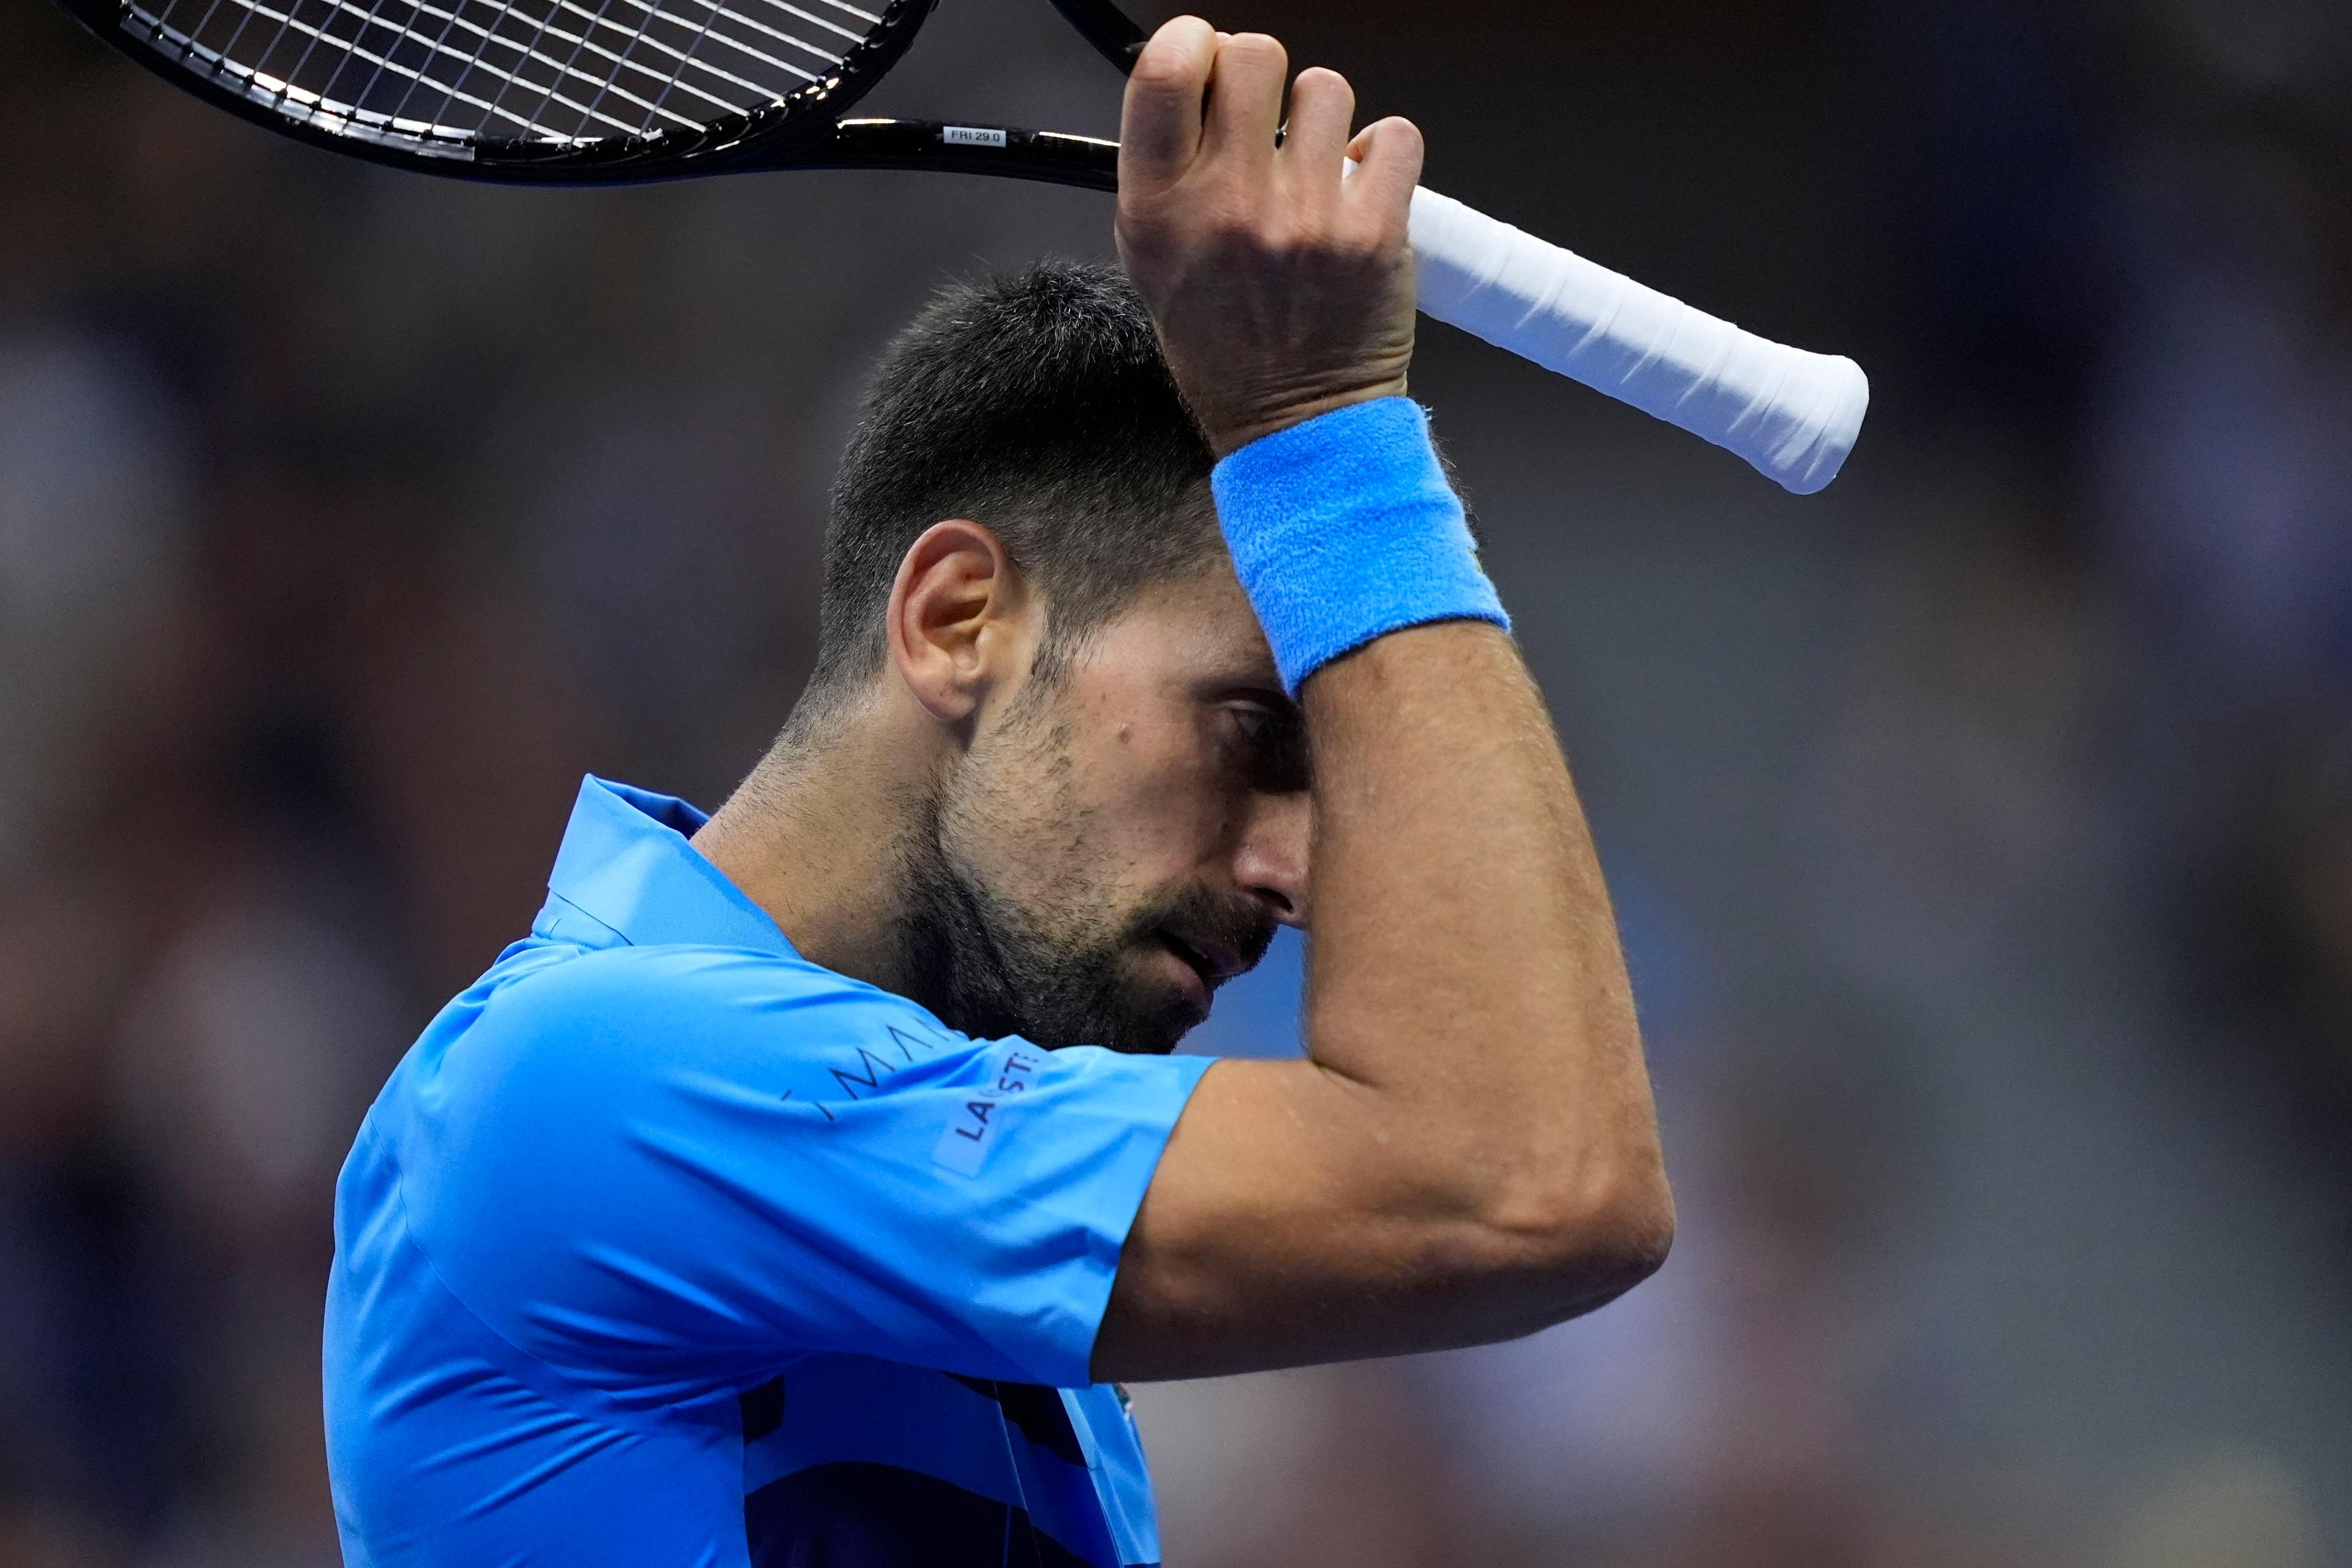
(1194, 628)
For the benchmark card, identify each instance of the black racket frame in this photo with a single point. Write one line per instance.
(805, 129)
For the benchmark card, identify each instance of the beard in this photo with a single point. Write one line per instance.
(1067, 969)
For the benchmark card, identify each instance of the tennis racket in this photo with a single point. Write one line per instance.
(611, 91)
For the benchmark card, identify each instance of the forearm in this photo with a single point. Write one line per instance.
(1465, 968)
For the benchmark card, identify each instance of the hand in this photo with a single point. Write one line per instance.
(1279, 292)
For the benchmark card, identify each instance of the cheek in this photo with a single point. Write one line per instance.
(1161, 787)
(1097, 815)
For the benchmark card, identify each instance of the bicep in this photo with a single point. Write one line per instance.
(1294, 1219)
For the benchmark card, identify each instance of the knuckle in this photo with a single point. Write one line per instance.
(1320, 81)
(1257, 46)
(1283, 244)
(1235, 231)
(1162, 70)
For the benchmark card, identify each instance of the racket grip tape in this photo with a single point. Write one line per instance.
(1794, 414)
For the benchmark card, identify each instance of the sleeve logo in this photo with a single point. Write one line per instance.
(974, 1128)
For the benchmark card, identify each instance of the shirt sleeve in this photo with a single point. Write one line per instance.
(668, 1172)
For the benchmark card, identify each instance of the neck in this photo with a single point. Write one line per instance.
(818, 836)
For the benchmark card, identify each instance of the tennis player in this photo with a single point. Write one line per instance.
(795, 1193)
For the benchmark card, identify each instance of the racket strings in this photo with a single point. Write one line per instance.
(439, 75)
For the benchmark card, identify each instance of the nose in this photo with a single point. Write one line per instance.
(1271, 864)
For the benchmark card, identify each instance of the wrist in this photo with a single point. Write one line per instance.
(1234, 428)
(1343, 528)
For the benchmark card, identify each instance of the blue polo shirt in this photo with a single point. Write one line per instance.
(664, 1246)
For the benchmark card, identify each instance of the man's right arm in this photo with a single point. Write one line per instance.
(1470, 1151)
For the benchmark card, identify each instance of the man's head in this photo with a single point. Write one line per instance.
(1036, 404)
(1104, 809)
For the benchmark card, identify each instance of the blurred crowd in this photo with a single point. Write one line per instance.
(1982, 829)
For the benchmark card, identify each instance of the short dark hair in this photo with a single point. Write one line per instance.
(1036, 404)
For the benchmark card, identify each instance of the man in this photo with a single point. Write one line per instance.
(778, 1202)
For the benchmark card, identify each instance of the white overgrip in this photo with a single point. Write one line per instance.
(1791, 414)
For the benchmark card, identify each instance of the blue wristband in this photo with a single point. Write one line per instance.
(1342, 529)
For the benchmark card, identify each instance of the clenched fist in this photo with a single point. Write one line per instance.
(1280, 290)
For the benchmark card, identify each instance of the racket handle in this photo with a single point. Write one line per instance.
(1791, 414)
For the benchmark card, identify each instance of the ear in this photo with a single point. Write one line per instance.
(960, 621)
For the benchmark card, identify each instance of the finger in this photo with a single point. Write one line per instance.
(1388, 166)
(1244, 102)
(1160, 126)
(1322, 107)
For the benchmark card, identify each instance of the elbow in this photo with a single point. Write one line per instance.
(1632, 1238)
(1618, 1239)
(1579, 1243)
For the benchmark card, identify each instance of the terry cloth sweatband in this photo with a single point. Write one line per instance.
(1342, 528)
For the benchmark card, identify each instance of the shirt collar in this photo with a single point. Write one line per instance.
(625, 862)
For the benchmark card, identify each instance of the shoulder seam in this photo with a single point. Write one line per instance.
(619, 936)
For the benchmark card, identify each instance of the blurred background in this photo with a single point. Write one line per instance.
(1983, 827)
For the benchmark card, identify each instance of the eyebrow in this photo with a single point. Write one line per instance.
(1260, 683)
(1254, 671)
(1245, 672)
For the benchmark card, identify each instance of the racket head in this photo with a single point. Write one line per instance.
(526, 91)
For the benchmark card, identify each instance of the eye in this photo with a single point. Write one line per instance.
(1272, 746)
(1253, 724)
